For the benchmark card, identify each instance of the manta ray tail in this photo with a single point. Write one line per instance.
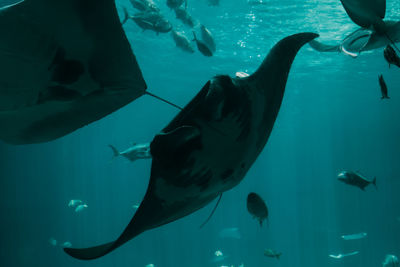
(212, 212)
(90, 253)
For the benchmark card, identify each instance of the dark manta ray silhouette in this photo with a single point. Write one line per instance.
(374, 32)
(63, 65)
(210, 145)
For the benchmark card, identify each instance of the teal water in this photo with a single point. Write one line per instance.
(332, 118)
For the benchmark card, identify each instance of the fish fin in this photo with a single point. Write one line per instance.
(323, 47)
(115, 151)
(194, 36)
(90, 253)
(278, 255)
(374, 180)
(166, 145)
(212, 212)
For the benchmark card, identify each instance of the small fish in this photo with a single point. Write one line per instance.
(230, 233)
(135, 207)
(182, 14)
(66, 244)
(384, 89)
(354, 236)
(340, 256)
(203, 48)
(81, 207)
(218, 253)
(391, 56)
(257, 207)
(135, 152)
(173, 4)
(355, 179)
(74, 202)
(272, 254)
(53, 241)
(182, 41)
(208, 38)
(390, 261)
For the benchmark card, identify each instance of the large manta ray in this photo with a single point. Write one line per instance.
(210, 145)
(63, 65)
(374, 32)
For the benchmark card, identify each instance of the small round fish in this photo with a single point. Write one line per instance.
(257, 207)
(203, 48)
(272, 254)
(391, 56)
(355, 179)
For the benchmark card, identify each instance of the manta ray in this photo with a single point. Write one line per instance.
(210, 145)
(63, 65)
(374, 32)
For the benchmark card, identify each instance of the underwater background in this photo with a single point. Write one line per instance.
(331, 119)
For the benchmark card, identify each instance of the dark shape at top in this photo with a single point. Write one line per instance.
(57, 77)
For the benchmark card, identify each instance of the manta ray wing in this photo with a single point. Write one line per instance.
(365, 13)
(193, 163)
(170, 195)
(64, 64)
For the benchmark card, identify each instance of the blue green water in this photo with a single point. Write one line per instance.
(332, 118)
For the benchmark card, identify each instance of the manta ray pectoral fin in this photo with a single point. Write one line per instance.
(323, 47)
(92, 252)
(365, 13)
(165, 145)
(79, 43)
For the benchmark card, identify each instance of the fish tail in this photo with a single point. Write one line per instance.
(374, 183)
(115, 151)
(278, 255)
(126, 16)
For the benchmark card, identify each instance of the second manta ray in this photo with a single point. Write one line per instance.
(374, 32)
(210, 145)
